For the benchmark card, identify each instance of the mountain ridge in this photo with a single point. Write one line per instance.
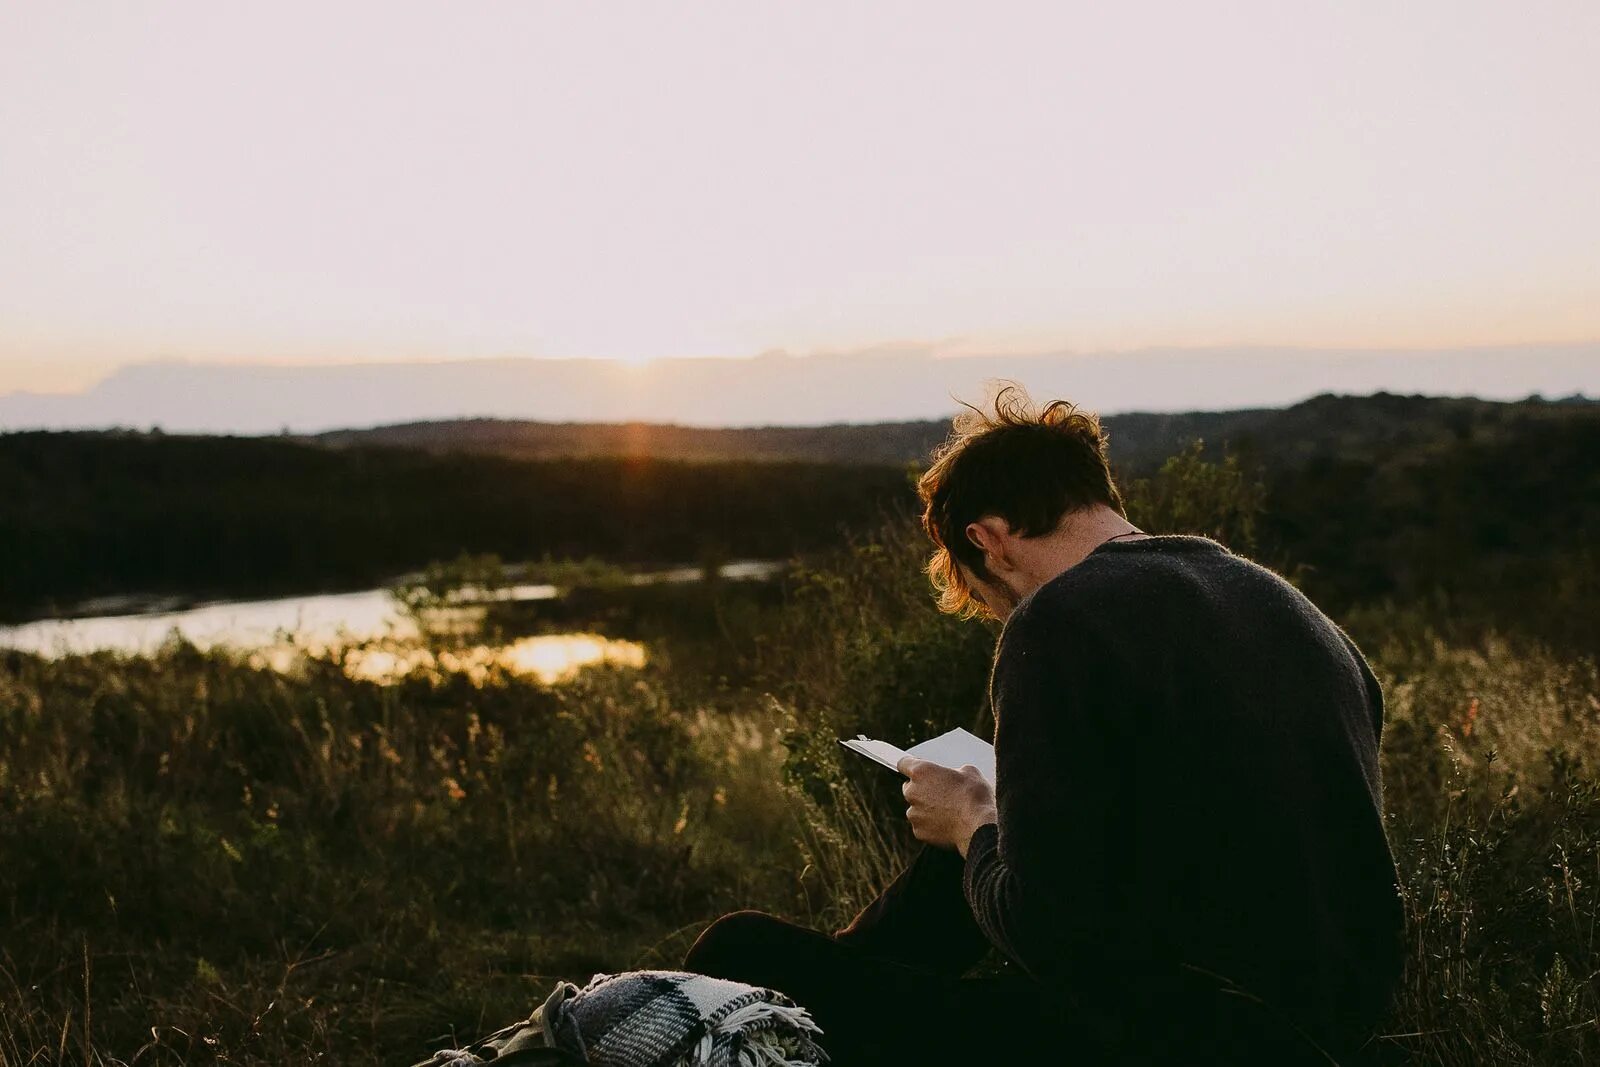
(1324, 424)
(903, 383)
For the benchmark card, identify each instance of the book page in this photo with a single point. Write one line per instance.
(954, 749)
(877, 751)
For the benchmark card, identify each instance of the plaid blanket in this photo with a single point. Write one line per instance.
(654, 1019)
(675, 1019)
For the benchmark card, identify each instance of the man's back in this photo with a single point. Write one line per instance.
(1188, 777)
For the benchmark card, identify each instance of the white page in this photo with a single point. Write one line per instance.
(877, 751)
(954, 748)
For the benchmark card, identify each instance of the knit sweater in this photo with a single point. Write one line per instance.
(1187, 777)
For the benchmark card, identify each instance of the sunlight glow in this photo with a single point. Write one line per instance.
(549, 658)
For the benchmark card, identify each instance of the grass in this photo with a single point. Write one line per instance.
(203, 861)
(1494, 805)
(206, 862)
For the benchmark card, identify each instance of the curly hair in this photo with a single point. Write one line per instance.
(1028, 465)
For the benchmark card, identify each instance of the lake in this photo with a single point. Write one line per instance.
(380, 636)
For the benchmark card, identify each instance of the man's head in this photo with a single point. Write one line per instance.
(1004, 479)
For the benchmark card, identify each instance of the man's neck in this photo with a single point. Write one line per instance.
(1070, 544)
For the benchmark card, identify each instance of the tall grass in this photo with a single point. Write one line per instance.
(1490, 764)
(201, 860)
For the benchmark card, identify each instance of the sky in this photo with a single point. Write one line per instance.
(378, 181)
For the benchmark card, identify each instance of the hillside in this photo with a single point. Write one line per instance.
(1327, 425)
(887, 442)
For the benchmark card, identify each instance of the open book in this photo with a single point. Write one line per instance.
(955, 748)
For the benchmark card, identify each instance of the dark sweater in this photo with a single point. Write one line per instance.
(1187, 777)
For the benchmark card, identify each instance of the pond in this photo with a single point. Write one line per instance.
(380, 637)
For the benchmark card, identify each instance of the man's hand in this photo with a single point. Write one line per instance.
(947, 806)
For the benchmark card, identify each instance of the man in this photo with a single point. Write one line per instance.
(1183, 859)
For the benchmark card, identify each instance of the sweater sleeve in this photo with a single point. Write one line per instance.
(1370, 680)
(1039, 880)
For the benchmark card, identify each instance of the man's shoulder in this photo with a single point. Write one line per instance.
(1103, 580)
(1049, 611)
(1127, 588)
(1062, 618)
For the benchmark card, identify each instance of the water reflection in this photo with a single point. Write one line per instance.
(376, 639)
(550, 658)
(314, 620)
(325, 620)
(385, 650)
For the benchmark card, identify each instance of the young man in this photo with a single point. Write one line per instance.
(1183, 859)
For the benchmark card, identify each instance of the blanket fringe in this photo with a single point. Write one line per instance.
(766, 1012)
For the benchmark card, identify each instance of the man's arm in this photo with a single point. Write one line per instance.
(1374, 690)
(1042, 877)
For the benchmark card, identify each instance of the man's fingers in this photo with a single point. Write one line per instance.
(908, 765)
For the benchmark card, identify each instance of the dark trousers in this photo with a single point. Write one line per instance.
(890, 988)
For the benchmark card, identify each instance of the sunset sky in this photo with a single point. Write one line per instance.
(376, 181)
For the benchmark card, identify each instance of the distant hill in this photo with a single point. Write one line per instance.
(880, 443)
(893, 382)
(1281, 438)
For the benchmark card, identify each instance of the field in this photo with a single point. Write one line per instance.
(203, 861)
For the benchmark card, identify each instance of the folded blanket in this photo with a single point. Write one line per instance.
(652, 1019)
(674, 1019)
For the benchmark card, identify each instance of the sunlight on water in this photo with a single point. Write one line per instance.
(377, 639)
(279, 633)
(322, 620)
(549, 658)
(316, 620)
(552, 657)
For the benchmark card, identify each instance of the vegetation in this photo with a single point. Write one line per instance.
(202, 860)
(91, 514)
(1349, 426)
(1470, 502)
(891, 444)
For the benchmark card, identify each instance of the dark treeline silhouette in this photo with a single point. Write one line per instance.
(90, 514)
(1499, 528)
(1349, 426)
(884, 442)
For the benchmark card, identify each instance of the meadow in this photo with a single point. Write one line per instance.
(206, 861)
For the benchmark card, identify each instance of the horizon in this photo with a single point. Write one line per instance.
(883, 384)
(156, 430)
(97, 377)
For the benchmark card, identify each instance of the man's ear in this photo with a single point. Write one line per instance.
(988, 534)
